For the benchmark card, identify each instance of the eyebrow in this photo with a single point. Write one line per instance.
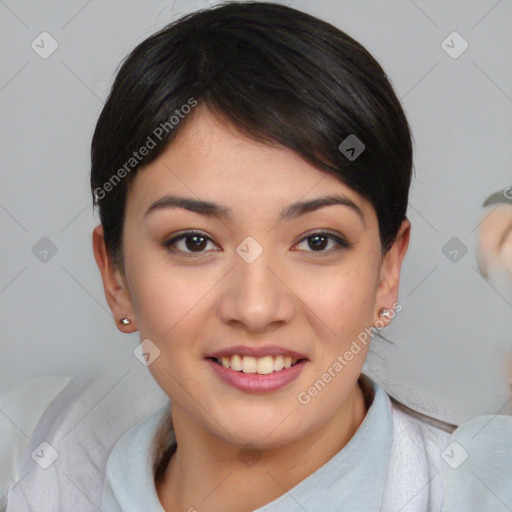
(211, 209)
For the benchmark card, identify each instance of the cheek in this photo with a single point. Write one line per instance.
(344, 300)
(168, 300)
(169, 305)
(342, 297)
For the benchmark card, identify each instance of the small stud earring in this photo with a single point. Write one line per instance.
(125, 321)
(384, 312)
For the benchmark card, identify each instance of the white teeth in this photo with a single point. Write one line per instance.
(235, 363)
(249, 364)
(265, 365)
(261, 365)
(278, 363)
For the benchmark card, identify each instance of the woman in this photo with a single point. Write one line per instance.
(247, 107)
(251, 168)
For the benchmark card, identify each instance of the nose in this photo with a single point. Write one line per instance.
(256, 296)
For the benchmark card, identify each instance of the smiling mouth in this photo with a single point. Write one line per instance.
(260, 365)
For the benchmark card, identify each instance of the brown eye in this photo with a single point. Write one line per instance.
(193, 242)
(319, 241)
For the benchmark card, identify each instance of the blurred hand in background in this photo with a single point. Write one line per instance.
(494, 250)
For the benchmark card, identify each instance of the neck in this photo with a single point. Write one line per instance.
(205, 472)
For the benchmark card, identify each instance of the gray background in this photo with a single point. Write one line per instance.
(454, 329)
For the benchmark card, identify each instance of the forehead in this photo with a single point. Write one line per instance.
(209, 159)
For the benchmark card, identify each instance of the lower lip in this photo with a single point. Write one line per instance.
(256, 383)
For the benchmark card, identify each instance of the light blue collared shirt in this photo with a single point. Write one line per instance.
(394, 462)
(353, 480)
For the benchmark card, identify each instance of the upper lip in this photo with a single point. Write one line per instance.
(260, 351)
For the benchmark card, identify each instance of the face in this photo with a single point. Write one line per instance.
(306, 283)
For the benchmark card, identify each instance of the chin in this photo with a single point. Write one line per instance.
(266, 431)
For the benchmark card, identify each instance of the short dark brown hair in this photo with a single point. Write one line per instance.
(278, 75)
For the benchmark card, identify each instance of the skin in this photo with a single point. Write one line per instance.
(315, 301)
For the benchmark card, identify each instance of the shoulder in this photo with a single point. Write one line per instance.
(65, 459)
(427, 433)
(143, 442)
(436, 466)
(413, 483)
(130, 470)
(477, 473)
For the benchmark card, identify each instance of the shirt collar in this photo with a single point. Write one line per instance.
(355, 478)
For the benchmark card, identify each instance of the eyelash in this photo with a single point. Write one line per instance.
(341, 242)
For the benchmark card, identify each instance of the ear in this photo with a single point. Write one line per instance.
(387, 290)
(116, 290)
